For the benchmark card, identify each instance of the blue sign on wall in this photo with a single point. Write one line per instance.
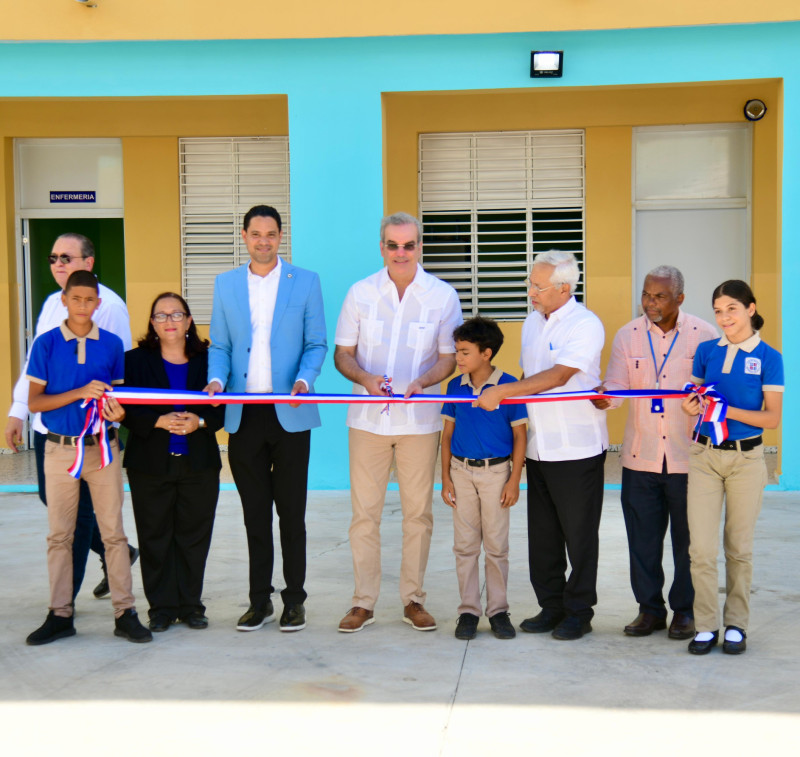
(90, 196)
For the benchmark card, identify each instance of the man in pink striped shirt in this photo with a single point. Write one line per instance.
(651, 352)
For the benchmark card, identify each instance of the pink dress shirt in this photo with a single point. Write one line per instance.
(650, 437)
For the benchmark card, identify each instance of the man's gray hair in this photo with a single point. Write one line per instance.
(87, 248)
(668, 272)
(566, 270)
(400, 219)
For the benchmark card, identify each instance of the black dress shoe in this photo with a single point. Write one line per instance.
(682, 626)
(545, 621)
(293, 618)
(53, 628)
(645, 624)
(735, 647)
(703, 647)
(254, 618)
(501, 626)
(102, 589)
(571, 628)
(159, 623)
(127, 626)
(467, 626)
(195, 620)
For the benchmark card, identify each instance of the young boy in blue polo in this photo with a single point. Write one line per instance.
(75, 362)
(483, 455)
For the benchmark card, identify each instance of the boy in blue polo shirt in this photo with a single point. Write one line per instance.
(75, 362)
(483, 455)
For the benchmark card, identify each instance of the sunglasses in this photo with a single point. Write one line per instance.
(65, 259)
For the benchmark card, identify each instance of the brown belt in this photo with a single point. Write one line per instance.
(72, 441)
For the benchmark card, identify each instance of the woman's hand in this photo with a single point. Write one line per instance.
(179, 423)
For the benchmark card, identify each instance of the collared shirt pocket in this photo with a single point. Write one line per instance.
(421, 335)
(371, 331)
(640, 373)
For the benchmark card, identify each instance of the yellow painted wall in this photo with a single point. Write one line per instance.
(608, 115)
(149, 129)
(251, 19)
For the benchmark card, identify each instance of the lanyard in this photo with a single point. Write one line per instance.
(666, 357)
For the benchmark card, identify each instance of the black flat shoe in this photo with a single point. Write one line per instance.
(703, 647)
(735, 647)
(196, 620)
(159, 623)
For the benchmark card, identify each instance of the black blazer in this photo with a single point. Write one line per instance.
(148, 447)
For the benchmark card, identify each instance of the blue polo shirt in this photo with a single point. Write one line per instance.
(62, 361)
(741, 373)
(480, 434)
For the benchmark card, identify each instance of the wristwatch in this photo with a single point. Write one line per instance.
(201, 423)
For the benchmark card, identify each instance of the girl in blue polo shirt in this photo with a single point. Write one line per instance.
(749, 374)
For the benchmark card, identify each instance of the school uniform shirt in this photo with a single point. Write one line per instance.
(480, 434)
(741, 373)
(573, 337)
(401, 339)
(61, 360)
(111, 315)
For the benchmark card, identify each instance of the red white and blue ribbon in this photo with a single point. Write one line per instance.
(95, 425)
(714, 413)
(387, 387)
(136, 396)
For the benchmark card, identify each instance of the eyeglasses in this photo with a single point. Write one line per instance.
(65, 259)
(530, 285)
(394, 247)
(177, 316)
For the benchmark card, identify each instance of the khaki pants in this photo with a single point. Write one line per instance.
(370, 463)
(738, 478)
(62, 508)
(478, 517)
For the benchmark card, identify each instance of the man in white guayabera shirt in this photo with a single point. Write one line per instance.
(567, 442)
(397, 323)
(71, 252)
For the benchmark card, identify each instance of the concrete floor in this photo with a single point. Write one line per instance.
(388, 690)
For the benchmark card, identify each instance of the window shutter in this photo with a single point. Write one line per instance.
(492, 201)
(221, 179)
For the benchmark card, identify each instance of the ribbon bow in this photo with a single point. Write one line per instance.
(95, 425)
(715, 411)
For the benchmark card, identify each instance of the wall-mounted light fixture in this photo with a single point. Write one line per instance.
(547, 63)
(87, 3)
(754, 110)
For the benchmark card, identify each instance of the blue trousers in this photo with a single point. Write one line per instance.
(651, 502)
(87, 534)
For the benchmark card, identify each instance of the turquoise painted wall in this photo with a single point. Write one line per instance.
(334, 89)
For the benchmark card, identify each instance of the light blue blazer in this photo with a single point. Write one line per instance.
(298, 340)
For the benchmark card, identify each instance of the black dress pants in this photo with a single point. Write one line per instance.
(270, 464)
(565, 500)
(174, 516)
(650, 502)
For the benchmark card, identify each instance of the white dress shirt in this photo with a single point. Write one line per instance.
(401, 339)
(572, 337)
(263, 292)
(112, 315)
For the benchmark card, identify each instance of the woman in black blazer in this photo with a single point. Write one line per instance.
(173, 465)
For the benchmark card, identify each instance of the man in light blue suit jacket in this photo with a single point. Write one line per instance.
(268, 335)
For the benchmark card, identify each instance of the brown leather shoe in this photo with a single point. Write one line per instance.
(682, 626)
(356, 619)
(645, 624)
(419, 618)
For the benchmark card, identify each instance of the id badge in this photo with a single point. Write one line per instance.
(656, 405)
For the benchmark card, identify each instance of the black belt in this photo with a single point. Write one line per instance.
(485, 463)
(745, 445)
(72, 441)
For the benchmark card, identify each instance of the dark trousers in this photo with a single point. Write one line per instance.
(565, 500)
(650, 501)
(87, 534)
(270, 464)
(174, 519)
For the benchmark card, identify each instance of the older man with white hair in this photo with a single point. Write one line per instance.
(567, 442)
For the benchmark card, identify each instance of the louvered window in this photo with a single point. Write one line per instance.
(221, 179)
(490, 202)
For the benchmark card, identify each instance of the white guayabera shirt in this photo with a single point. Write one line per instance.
(401, 339)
